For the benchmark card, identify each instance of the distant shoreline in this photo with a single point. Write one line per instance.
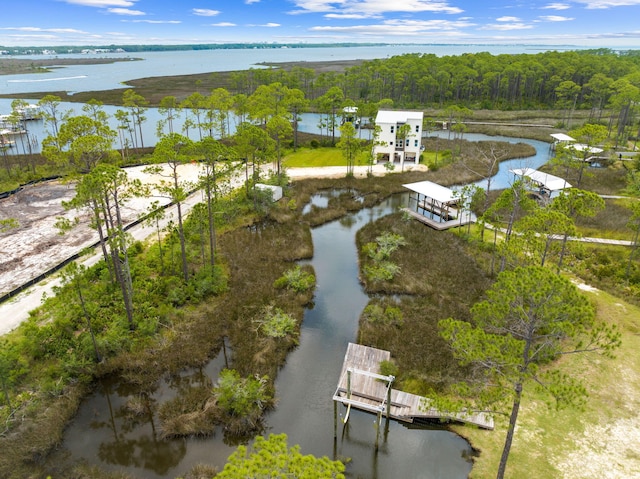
(19, 66)
(180, 86)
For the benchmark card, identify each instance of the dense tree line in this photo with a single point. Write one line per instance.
(476, 80)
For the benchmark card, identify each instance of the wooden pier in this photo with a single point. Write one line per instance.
(362, 387)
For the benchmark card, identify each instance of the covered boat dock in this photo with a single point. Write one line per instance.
(436, 206)
(544, 185)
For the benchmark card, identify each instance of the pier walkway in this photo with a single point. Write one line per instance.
(362, 387)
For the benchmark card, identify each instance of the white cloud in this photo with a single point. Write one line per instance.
(351, 16)
(249, 2)
(557, 6)
(601, 4)
(205, 12)
(125, 11)
(507, 26)
(223, 24)
(48, 30)
(155, 22)
(555, 18)
(266, 25)
(400, 27)
(373, 6)
(508, 19)
(102, 3)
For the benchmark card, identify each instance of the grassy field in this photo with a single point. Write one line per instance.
(599, 442)
(318, 157)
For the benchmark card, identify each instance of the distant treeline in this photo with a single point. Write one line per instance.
(571, 79)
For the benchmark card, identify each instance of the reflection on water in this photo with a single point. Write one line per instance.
(118, 430)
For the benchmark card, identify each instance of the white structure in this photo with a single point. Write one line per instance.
(545, 186)
(276, 191)
(400, 137)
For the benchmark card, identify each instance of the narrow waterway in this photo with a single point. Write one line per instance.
(104, 435)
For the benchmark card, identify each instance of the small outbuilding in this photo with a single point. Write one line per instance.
(276, 191)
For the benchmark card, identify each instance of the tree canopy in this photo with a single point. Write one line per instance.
(272, 458)
(530, 318)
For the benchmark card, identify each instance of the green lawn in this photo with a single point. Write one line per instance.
(316, 157)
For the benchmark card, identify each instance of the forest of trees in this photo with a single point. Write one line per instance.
(590, 79)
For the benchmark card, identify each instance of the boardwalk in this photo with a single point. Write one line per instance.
(362, 387)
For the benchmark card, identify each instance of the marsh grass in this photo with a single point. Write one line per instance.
(438, 279)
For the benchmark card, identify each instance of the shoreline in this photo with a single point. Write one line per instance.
(156, 88)
(19, 66)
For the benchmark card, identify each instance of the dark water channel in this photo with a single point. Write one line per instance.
(104, 435)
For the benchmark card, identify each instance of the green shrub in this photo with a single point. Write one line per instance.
(382, 271)
(277, 323)
(388, 368)
(241, 397)
(374, 313)
(296, 279)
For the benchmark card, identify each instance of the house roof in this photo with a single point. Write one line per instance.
(562, 137)
(433, 190)
(550, 182)
(396, 116)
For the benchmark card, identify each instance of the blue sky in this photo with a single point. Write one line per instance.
(594, 23)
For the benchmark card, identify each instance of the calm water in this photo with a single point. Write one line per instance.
(304, 389)
(78, 78)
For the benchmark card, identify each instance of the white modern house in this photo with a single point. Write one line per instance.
(400, 137)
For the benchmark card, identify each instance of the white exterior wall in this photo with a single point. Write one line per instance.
(389, 121)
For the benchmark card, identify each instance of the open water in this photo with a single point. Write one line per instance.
(77, 78)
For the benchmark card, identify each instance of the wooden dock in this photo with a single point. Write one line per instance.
(442, 225)
(362, 387)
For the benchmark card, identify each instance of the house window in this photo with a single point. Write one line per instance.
(392, 128)
(391, 143)
(407, 142)
(415, 143)
(417, 128)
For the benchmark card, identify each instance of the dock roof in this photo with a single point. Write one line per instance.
(550, 182)
(562, 137)
(433, 190)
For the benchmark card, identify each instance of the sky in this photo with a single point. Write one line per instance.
(592, 23)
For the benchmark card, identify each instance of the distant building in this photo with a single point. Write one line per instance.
(400, 137)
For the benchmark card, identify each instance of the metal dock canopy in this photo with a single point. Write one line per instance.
(440, 193)
(436, 206)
